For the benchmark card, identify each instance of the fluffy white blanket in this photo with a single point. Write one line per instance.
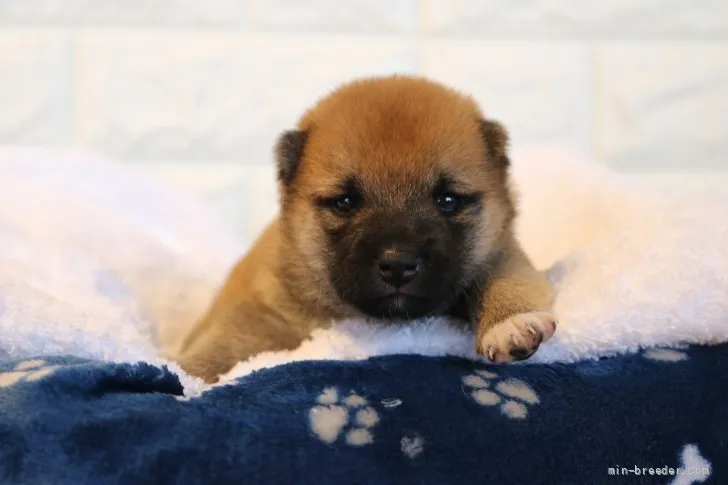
(97, 262)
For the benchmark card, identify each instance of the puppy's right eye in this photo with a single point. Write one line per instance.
(341, 204)
(345, 203)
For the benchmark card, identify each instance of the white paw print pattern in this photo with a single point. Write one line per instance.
(27, 371)
(665, 355)
(333, 415)
(513, 396)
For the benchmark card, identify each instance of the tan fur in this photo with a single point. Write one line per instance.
(252, 312)
(282, 289)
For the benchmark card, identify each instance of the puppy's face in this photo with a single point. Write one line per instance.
(393, 195)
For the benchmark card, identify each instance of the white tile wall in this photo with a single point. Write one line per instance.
(195, 91)
(351, 16)
(578, 19)
(148, 95)
(120, 13)
(542, 91)
(36, 74)
(664, 104)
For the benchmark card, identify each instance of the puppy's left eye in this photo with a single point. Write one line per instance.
(448, 203)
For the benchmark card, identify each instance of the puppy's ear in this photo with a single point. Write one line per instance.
(496, 143)
(288, 152)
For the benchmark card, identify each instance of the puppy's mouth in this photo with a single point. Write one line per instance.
(398, 306)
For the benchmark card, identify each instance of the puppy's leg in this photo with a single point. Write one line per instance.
(246, 317)
(230, 334)
(515, 314)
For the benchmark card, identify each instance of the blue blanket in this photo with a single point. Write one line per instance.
(655, 417)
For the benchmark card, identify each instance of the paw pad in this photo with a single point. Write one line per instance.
(27, 371)
(513, 396)
(331, 416)
(516, 337)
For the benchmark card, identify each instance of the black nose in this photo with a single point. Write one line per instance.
(398, 267)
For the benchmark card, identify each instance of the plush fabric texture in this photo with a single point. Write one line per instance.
(634, 271)
(634, 268)
(385, 420)
(98, 262)
(93, 256)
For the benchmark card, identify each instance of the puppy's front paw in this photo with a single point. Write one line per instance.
(517, 337)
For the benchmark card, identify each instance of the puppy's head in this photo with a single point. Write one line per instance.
(394, 195)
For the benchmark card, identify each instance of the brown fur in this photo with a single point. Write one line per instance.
(397, 138)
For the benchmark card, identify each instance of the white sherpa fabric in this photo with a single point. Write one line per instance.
(94, 259)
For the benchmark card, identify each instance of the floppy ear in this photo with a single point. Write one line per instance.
(288, 152)
(496, 143)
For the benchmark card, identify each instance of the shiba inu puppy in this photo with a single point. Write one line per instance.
(395, 204)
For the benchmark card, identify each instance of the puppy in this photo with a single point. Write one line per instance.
(395, 204)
